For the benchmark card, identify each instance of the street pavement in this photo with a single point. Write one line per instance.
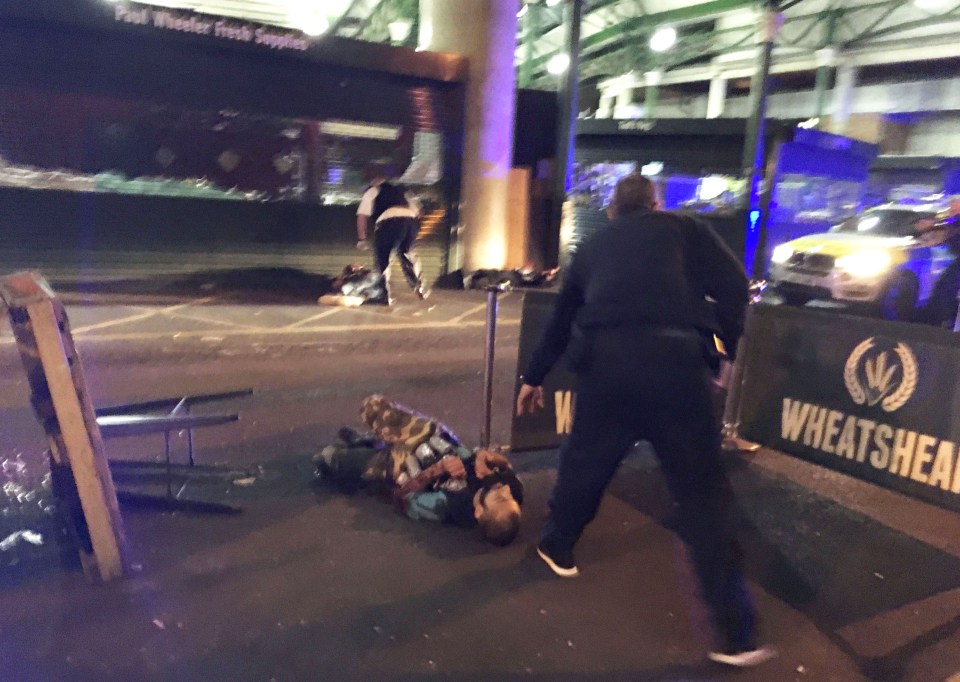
(853, 582)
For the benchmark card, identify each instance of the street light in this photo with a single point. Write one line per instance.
(558, 63)
(663, 39)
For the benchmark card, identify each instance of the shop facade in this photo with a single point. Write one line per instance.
(138, 140)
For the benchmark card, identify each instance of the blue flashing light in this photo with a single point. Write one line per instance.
(753, 238)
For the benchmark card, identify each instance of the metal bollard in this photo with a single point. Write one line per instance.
(731, 410)
(956, 320)
(493, 294)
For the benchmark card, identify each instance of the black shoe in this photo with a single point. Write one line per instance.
(378, 300)
(742, 658)
(560, 562)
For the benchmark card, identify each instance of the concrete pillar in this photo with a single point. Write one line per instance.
(843, 96)
(652, 94)
(717, 97)
(485, 31)
(826, 60)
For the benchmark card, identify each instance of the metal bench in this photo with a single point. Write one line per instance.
(165, 416)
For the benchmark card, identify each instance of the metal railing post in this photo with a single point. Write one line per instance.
(493, 294)
(731, 409)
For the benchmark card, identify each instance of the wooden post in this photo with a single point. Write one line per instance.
(63, 406)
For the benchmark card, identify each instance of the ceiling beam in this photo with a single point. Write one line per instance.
(674, 16)
(339, 22)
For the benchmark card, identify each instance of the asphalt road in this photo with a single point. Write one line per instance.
(853, 582)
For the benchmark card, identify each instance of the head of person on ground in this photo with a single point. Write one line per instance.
(496, 505)
(633, 193)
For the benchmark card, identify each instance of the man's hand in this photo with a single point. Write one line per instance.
(486, 462)
(530, 399)
(363, 245)
(453, 467)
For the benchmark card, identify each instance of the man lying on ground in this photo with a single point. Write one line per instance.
(428, 472)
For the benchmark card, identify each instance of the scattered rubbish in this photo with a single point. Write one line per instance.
(245, 482)
(878, 576)
(570, 643)
(801, 670)
(11, 540)
(159, 624)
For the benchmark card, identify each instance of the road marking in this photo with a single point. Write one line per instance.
(320, 316)
(334, 329)
(474, 309)
(138, 317)
(222, 323)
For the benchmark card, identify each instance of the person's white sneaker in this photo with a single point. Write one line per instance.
(743, 659)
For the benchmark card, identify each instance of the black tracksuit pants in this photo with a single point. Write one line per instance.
(641, 384)
(397, 234)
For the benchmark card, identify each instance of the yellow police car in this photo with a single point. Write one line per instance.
(890, 256)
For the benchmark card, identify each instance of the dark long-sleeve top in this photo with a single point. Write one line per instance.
(647, 268)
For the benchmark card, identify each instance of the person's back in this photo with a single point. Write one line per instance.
(389, 196)
(636, 270)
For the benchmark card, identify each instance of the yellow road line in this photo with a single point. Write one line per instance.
(474, 309)
(320, 316)
(222, 323)
(138, 317)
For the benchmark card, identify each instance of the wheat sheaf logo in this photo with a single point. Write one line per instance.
(874, 376)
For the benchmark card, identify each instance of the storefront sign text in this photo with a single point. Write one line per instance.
(187, 22)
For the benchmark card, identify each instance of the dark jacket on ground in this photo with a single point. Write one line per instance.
(647, 269)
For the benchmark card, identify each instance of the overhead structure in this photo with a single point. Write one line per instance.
(688, 41)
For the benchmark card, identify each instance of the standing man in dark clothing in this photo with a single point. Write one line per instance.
(634, 317)
(396, 224)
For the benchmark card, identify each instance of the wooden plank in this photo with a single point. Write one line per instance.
(84, 446)
(64, 409)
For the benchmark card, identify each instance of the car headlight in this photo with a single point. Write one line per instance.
(782, 254)
(866, 263)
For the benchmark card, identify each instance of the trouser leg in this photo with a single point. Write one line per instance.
(409, 262)
(599, 440)
(384, 241)
(688, 445)
(347, 467)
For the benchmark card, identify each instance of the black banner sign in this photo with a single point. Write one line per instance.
(878, 400)
(544, 428)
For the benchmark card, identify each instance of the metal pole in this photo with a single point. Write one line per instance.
(826, 58)
(730, 430)
(754, 148)
(568, 107)
(956, 320)
(493, 292)
(531, 26)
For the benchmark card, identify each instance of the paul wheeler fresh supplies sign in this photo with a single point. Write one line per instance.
(200, 24)
(875, 399)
